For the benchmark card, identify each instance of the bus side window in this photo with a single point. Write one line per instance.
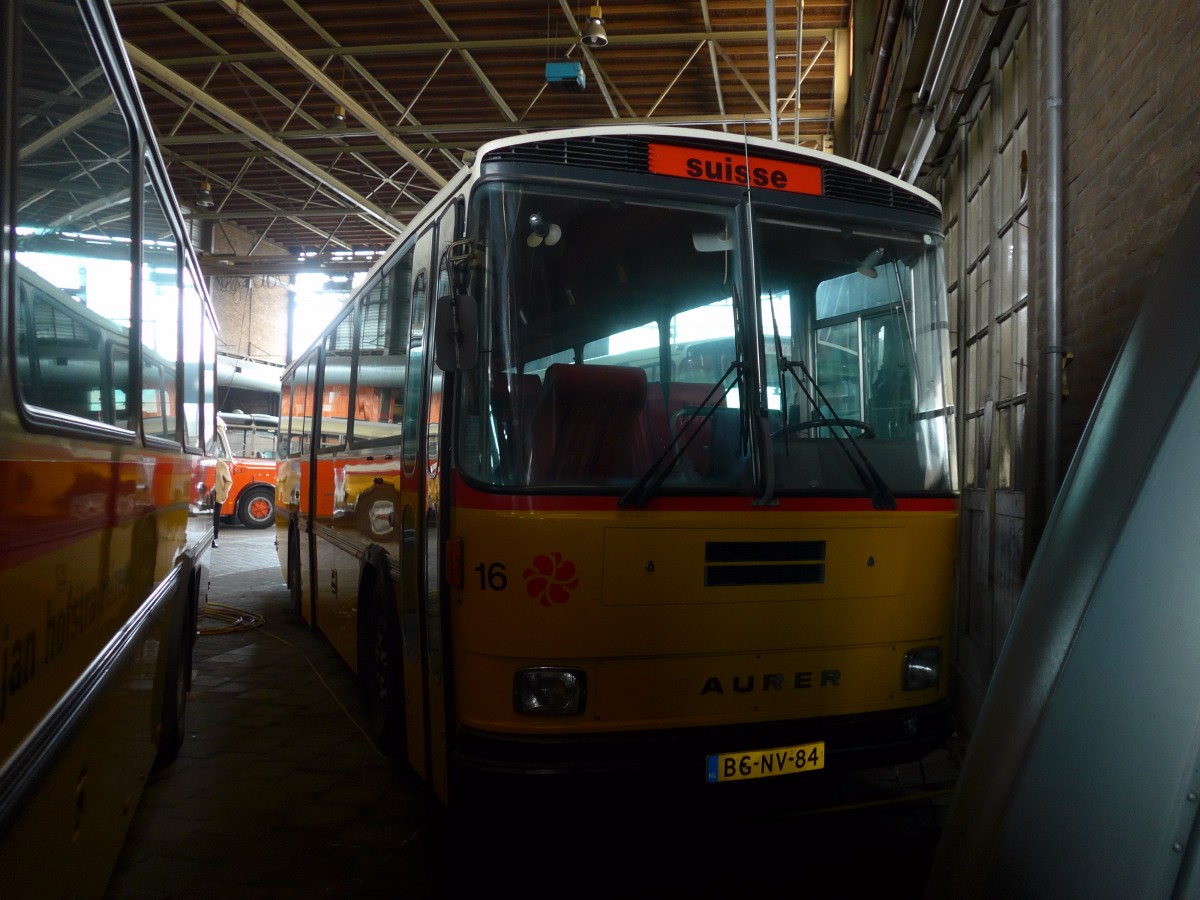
(160, 315)
(59, 355)
(304, 404)
(416, 358)
(76, 275)
(382, 361)
(335, 399)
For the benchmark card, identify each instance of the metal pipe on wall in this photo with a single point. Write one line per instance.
(799, 62)
(1053, 246)
(879, 70)
(937, 83)
(771, 69)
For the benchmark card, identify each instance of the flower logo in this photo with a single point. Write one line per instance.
(550, 579)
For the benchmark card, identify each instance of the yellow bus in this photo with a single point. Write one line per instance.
(653, 445)
(107, 364)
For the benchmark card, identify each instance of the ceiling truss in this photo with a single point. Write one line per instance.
(317, 136)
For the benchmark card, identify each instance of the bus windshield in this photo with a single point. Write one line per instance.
(250, 435)
(617, 338)
(856, 348)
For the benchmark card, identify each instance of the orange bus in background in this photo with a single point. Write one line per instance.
(107, 385)
(248, 442)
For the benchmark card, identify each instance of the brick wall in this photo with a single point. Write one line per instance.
(251, 311)
(1132, 163)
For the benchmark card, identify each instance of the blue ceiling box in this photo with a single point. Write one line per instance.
(567, 75)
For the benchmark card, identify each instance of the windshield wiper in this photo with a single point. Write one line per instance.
(646, 487)
(873, 483)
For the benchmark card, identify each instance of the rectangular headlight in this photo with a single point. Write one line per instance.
(549, 691)
(922, 668)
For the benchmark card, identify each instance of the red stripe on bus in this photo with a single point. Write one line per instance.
(469, 497)
(54, 503)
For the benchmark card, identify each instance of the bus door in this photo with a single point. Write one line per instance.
(294, 486)
(433, 549)
(411, 599)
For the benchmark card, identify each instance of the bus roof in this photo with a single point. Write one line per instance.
(694, 135)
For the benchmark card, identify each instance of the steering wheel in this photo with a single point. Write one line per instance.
(792, 427)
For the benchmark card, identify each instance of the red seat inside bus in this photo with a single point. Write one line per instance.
(589, 425)
(514, 399)
(668, 408)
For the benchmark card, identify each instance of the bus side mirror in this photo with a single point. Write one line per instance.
(456, 333)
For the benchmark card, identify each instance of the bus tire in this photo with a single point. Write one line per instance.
(256, 508)
(382, 674)
(295, 580)
(172, 716)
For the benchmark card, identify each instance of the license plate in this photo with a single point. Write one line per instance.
(765, 763)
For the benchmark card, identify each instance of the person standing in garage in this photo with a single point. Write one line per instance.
(224, 480)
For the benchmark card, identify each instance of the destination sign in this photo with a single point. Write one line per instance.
(732, 168)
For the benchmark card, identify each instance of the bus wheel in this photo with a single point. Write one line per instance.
(295, 580)
(256, 508)
(174, 701)
(383, 677)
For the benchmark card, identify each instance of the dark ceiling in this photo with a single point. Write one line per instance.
(243, 95)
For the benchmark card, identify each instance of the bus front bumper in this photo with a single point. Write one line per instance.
(680, 755)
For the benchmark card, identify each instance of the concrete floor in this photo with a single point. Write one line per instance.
(278, 793)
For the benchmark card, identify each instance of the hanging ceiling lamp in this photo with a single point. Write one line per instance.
(204, 199)
(594, 35)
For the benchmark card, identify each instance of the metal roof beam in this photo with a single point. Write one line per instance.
(294, 107)
(675, 80)
(269, 209)
(68, 127)
(240, 123)
(290, 212)
(226, 266)
(712, 58)
(253, 151)
(597, 73)
(748, 36)
(301, 62)
(745, 83)
(451, 128)
(365, 73)
(468, 59)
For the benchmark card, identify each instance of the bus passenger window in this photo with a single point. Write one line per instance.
(60, 356)
(335, 401)
(160, 316)
(382, 357)
(192, 362)
(416, 358)
(74, 266)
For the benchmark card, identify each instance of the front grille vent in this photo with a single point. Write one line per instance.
(609, 152)
(847, 184)
(759, 563)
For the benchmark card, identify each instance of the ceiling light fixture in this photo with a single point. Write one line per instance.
(867, 266)
(594, 35)
(339, 113)
(542, 231)
(204, 199)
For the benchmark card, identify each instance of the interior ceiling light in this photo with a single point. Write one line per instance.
(339, 113)
(594, 35)
(204, 199)
(867, 266)
(542, 231)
